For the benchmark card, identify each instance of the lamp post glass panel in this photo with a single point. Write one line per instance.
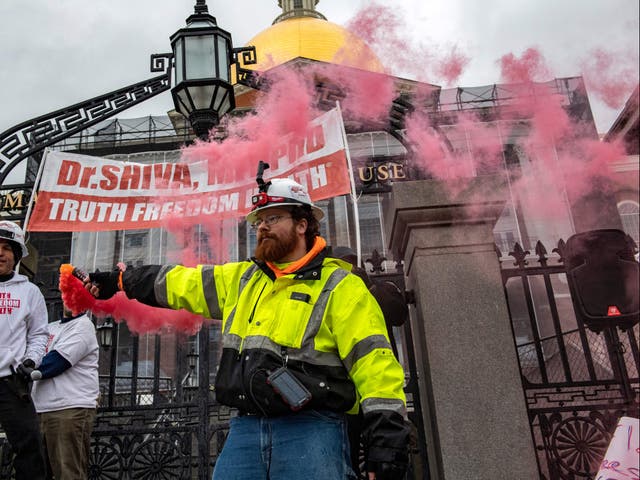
(104, 333)
(192, 361)
(202, 57)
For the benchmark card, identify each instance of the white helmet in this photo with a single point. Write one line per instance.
(12, 232)
(282, 192)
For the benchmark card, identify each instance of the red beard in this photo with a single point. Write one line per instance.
(271, 248)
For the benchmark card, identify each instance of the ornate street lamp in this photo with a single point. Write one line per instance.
(104, 333)
(203, 54)
(192, 359)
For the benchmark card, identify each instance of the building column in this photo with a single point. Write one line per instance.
(469, 379)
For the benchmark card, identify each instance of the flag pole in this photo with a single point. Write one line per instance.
(352, 194)
(36, 184)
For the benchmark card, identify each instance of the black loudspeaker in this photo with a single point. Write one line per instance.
(603, 278)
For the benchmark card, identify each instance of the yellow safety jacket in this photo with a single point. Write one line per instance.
(321, 322)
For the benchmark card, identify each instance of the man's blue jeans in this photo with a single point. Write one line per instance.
(311, 445)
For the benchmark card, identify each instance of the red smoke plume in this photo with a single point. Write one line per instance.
(611, 76)
(382, 28)
(140, 318)
(557, 161)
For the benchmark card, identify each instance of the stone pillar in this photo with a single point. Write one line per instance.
(470, 389)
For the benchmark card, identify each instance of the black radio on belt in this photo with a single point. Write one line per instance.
(292, 391)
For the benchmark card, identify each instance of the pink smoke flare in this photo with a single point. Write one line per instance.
(140, 318)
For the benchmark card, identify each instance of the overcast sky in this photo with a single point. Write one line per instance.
(59, 52)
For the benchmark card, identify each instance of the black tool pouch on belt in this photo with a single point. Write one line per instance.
(19, 386)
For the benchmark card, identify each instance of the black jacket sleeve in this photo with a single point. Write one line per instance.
(139, 283)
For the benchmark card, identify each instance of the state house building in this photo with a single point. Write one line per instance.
(301, 36)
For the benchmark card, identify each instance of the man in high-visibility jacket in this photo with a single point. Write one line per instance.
(304, 342)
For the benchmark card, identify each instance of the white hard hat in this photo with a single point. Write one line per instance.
(12, 232)
(282, 192)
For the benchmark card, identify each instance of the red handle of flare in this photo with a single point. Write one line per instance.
(80, 274)
(76, 272)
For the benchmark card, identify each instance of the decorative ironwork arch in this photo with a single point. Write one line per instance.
(31, 137)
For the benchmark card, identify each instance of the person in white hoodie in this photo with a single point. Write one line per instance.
(23, 337)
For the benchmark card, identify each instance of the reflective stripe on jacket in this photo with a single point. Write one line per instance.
(321, 321)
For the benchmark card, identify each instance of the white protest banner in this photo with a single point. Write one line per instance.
(622, 460)
(82, 193)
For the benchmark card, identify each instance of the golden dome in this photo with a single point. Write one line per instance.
(315, 39)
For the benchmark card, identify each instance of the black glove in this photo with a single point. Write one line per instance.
(107, 282)
(25, 369)
(387, 463)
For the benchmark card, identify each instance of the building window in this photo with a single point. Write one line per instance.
(505, 241)
(629, 214)
(370, 225)
(136, 239)
(297, 3)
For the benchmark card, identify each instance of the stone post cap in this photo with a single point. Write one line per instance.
(439, 203)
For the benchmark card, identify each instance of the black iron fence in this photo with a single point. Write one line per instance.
(157, 443)
(577, 383)
(159, 425)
